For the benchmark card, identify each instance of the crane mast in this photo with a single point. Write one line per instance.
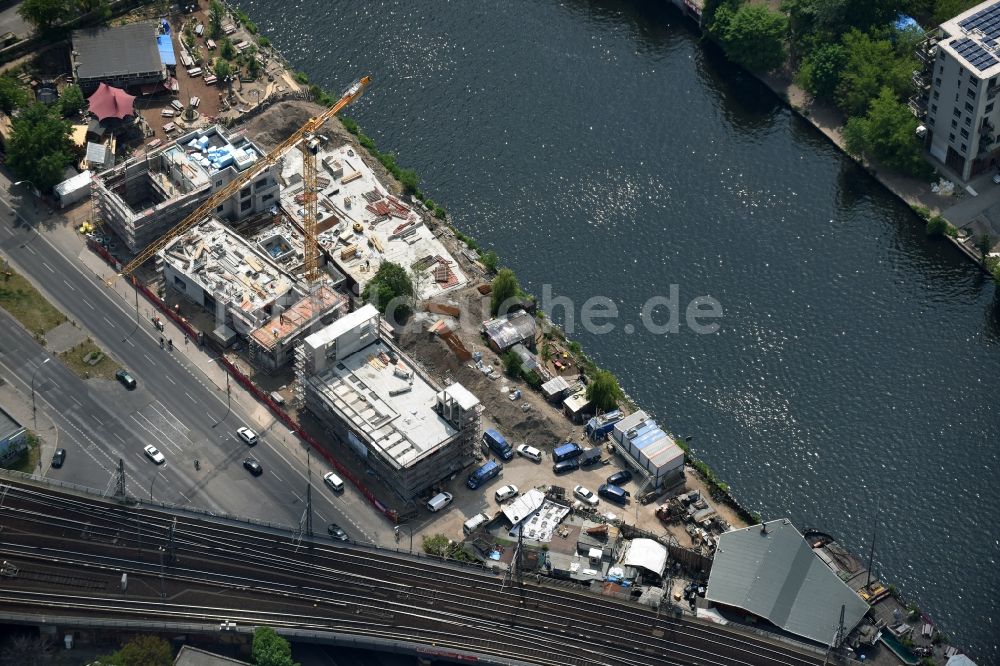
(307, 132)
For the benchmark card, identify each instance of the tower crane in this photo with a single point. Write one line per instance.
(305, 134)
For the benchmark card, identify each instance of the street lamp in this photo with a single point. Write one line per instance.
(34, 413)
(151, 487)
(409, 530)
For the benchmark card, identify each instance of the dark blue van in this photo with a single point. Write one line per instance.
(495, 442)
(613, 493)
(488, 471)
(566, 451)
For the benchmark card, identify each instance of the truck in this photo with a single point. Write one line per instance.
(566, 451)
(597, 428)
(483, 474)
(495, 442)
(590, 456)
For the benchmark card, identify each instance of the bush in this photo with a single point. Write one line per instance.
(263, 42)
(512, 366)
(390, 288)
(505, 287)
(752, 35)
(349, 124)
(302, 78)
(490, 260)
(603, 391)
(439, 212)
(937, 226)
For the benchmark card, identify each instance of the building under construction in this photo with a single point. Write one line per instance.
(409, 431)
(272, 345)
(146, 196)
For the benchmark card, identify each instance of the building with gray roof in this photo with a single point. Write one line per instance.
(122, 56)
(771, 571)
(13, 437)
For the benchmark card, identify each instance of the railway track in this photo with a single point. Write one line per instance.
(219, 571)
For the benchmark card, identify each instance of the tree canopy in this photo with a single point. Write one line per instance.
(71, 100)
(44, 14)
(216, 10)
(270, 649)
(140, 651)
(222, 69)
(505, 287)
(40, 148)
(820, 70)
(871, 65)
(888, 134)
(12, 94)
(603, 391)
(751, 35)
(391, 290)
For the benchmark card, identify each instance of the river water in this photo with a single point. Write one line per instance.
(601, 149)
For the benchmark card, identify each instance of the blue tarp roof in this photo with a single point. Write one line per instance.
(166, 48)
(904, 22)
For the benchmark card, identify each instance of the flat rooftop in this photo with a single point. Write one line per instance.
(117, 51)
(974, 38)
(388, 229)
(8, 426)
(394, 411)
(224, 264)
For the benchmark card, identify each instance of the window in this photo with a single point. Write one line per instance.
(937, 82)
(268, 197)
(933, 108)
(969, 107)
(954, 124)
(961, 72)
(218, 183)
(260, 183)
(968, 121)
(964, 133)
(245, 192)
(962, 148)
(957, 112)
(245, 205)
(219, 209)
(989, 107)
(951, 137)
(930, 121)
(179, 284)
(971, 93)
(936, 94)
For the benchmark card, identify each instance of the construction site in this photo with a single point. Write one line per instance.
(409, 431)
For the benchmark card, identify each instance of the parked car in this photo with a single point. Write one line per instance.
(337, 532)
(620, 478)
(566, 451)
(613, 493)
(58, 457)
(335, 482)
(565, 466)
(529, 452)
(253, 466)
(585, 495)
(506, 493)
(438, 502)
(495, 442)
(154, 454)
(127, 380)
(247, 435)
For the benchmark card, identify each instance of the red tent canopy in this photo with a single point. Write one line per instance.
(108, 102)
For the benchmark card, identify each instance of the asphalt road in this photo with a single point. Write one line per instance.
(175, 407)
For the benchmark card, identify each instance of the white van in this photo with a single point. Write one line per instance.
(472, 524)
(335, 482)
(438, 502)
(177, 104)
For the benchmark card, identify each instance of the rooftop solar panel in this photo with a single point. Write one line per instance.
(974, 53)
(987, 20)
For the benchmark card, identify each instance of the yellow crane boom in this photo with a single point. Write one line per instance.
(204, 210)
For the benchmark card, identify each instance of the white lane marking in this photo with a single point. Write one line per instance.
(30, 249)
(119, 437)
(170, 380)
(321, 516)
(294, 493)
(149, 358)
(99, 421)
(111, 323)
(8, 231)
(78, 403)
(48, 267)
(88, 303)
(189, 397)
(71, 287)
(165, 442)
(129, 341)
(277, 477)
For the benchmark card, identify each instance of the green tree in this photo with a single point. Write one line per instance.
(390, 290)
(40, 149)
(216, 12)
(222, 69)
(888, 134)
(490, 260)
(603, 391)
(512, 365)
(820, 71)
(140, 651)
(947, 9)
(226, 49)
(45, 13)
(270, 649)
(71, 101)
(12, 94)
(437, 544)
(872, 64)
(505, 287)
(253, 67)
(752, 35)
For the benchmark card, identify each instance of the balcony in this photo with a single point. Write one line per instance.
(918, 105)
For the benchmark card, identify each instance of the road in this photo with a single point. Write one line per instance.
(175, 407)
(212, 571)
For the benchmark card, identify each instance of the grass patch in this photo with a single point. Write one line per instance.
(24, 303)
(81, 360)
